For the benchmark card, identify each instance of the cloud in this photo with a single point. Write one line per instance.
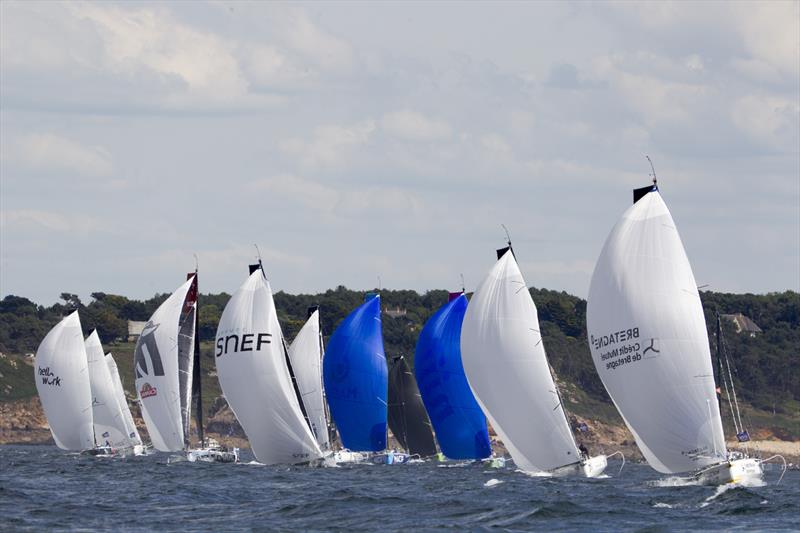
(32, 220)
(330, 145)
(308, 194)
(414, 126)
(51, 152)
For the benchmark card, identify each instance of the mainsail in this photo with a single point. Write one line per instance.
(108, 419)
(254, 376)
(62, 380)
(305, 354)
(649, 342)
(407, 417)
(507, 369)
(130, 426)
(163, 375)
(355, 375)
(459, 423)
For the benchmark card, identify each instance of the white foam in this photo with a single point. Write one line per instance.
(492, 482)
(661, 505)
(674, 481)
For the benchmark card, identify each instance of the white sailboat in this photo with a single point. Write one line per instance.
(507, 369)
(255, 378)
(110, 432)
(305, 354)
(648, 339)
(127, 418)
(62, 381)
(164, 365)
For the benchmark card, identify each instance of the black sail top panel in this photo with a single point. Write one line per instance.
(407, 418)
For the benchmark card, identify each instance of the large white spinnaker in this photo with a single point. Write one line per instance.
(649, 342)
(305, 354)
(254, 376)
(507, 369)
(130, 426)
(163, 383)
(109, 422)
(62, 380)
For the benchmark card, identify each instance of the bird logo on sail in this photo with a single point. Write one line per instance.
(147, 391)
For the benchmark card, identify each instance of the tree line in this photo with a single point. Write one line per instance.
(767, 365)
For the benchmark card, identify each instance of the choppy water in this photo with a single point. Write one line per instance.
(44, 488)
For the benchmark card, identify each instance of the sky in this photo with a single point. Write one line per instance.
(357, 141)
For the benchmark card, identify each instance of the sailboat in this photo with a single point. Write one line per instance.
(506, 365)
(166, 366)
(407, 417)
(356, 379)
(62, 381)
(458, 421)
(112, 436)
(127, 418)
(305, 355)
(254, 371)
(648, 339)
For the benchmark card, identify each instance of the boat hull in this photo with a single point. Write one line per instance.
(591, 467)
(742, 471)
(213, 455)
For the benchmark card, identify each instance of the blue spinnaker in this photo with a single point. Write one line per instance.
(458, 421)
(356, 378)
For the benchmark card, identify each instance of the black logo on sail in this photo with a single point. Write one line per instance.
(147, 349)
(651, 348)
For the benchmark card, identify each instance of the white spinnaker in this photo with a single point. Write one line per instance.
(109, 423)
(156, 371)
(506, 366)
(256, 381)
(643, 303)
(305, 354)
(62, 380)
(130, 426)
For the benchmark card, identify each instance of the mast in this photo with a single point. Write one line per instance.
(197, 374)
(328, 422)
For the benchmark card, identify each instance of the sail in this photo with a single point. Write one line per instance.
(62, 380)
(459, 423)
(197, 370)
(356, 378)
(130, 426)
(109, 423)
(305, 354)
(161, 386)
(407, 417)
(252, 370)
(649, 342)
(507, 369)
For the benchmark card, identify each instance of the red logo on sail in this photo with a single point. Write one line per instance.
(147, 391)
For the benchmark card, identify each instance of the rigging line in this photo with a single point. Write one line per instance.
(655, 180)
(733, 387)
(722, 375)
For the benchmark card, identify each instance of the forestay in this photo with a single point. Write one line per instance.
(649, 342)
(252, 370)
(459, 423)
(305, 354)
(505, 363)
(160, 388)
(356, 378)
(130, 426)
(62, 380)
(109, 423)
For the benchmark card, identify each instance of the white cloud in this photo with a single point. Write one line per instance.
(51, 152)
(309, 194)
(415, 126)
(324, 49)
(33, 220)
(771, 121)
(330, 145)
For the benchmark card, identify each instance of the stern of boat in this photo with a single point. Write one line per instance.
(594, 466)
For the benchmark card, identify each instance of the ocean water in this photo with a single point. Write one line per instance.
(42, 488)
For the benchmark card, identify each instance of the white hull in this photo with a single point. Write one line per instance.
(347, 457)
(742, 471)
(213, 455)
(591, 467)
